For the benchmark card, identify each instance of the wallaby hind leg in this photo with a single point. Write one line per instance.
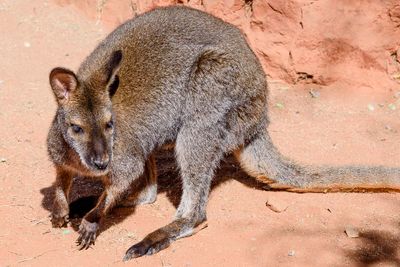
(198, 153)
(147, 184)
(260, 159)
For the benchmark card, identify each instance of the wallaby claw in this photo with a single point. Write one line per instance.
(135, 251)
(87, 234)
(146, 247)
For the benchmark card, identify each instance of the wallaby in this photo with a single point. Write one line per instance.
(177, 75)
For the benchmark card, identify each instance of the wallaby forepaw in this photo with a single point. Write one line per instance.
(87, 234)
(145, 247)
(58, 221)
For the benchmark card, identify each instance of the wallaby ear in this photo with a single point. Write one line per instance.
(63, 82)
(112, 69)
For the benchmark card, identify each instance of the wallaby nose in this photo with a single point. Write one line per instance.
(100, 164)
(100, 158)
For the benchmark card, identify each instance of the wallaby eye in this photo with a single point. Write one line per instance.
(110, 125)
(77, 129)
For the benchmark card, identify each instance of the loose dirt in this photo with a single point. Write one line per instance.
(342, 125)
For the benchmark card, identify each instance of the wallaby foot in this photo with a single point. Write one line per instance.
(152, 243)
(163, 237)
(87, 234)
(59, 220)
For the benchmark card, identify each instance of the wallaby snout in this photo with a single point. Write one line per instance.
(100, 162)
(100, 157)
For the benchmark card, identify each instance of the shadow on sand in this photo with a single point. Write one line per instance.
(85, 192)
(376, 247)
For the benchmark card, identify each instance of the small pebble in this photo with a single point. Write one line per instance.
(291, 253)
(279, 105)
(3, 160)
(276, 205)
(371, 107)
(27, 44)
(390, 129)
(131, 235)
(351, 232)
(314, 93)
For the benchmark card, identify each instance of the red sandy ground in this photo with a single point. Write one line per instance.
(335, 128)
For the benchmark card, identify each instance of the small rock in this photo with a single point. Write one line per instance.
(351, 232)
(131, 235)
(314, 93)
(46, 232)
(390, 129)
(371, 107)
(2, 160)
(27, 44)
(280, 105)
(276, 205)
(291, 253)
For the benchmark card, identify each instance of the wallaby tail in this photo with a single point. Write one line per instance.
(263, 161)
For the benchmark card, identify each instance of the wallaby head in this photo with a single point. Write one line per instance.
(85, 116)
